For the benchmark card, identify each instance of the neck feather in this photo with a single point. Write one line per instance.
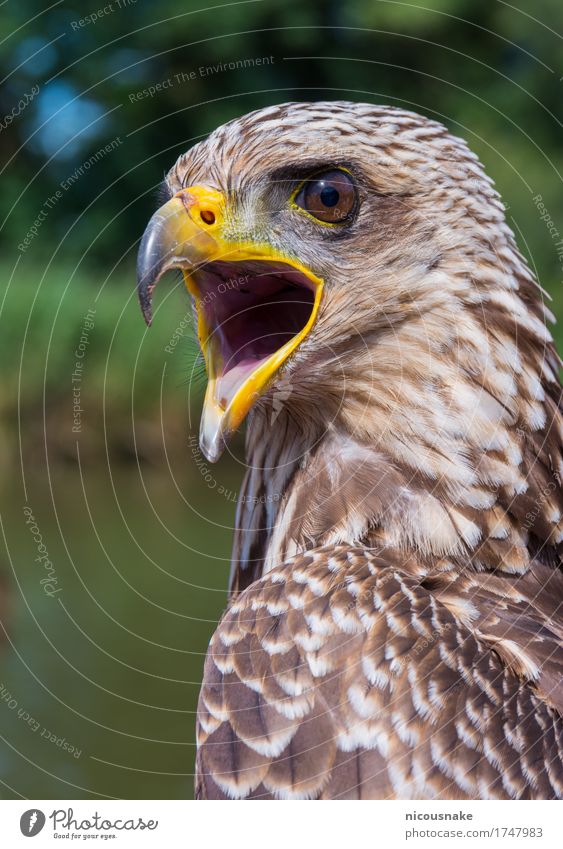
(443, 445)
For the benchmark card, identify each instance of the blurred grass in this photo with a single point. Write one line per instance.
(113, 662)
(131, 378)
(43, 316)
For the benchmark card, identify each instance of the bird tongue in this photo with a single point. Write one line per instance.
(227, 385)
(250, 318)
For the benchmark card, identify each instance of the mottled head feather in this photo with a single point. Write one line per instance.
(423, 407)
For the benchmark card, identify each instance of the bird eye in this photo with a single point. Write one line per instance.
(330, 196)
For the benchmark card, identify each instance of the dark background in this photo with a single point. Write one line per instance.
(137, 530)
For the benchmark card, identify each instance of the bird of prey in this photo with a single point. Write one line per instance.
(394, 626)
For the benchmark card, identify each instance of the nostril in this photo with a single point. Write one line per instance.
(207, 216)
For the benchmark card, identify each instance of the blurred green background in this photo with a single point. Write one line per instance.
(136, 530)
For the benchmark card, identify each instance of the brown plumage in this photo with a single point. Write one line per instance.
(340, 675)
(394, 628)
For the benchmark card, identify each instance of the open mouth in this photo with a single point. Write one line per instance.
(254, 305)
(252, 314)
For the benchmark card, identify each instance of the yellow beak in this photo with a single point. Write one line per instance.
(188, 233)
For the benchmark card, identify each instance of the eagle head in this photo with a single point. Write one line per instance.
(353, 260)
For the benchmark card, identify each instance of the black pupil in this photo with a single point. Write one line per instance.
(329, 196)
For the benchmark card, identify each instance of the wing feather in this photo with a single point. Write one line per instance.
(338, 675)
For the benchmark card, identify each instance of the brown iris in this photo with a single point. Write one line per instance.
(330, 196)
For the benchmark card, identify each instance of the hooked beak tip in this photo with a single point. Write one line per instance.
(174, 239)
(156, 253)
(145, 300)
(151, 264)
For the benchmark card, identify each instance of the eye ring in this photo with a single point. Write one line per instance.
(329, 197)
